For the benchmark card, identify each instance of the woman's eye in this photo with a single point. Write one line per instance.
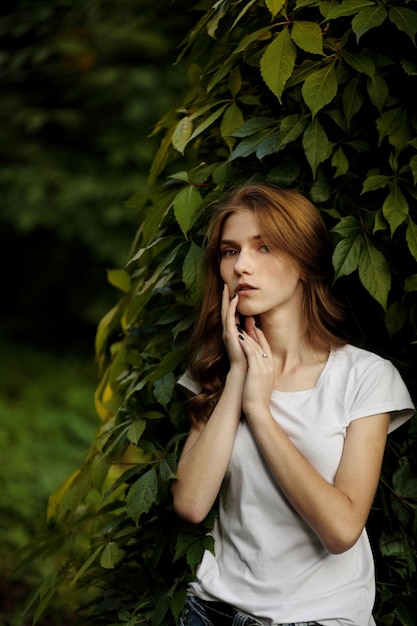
(229, 252)
(264, 248)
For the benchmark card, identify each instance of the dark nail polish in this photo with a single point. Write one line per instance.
(241, 337)
(234, 296)
(239, 328)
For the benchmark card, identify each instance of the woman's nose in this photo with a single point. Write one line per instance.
(243, 264)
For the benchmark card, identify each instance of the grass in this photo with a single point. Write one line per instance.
(47, 421)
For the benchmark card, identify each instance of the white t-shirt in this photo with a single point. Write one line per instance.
(268, 562)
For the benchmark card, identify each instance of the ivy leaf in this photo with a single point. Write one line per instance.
(253, 125)
(182, 134)
(389, 122)
(340, 162)
(119, 279)
(136, 430)
(347, 253)
(411, 237)
(142, 494)
(168, 467)
(320, 88)
(163, 389)
(192, 270)
(367, 18)
(277, 62)
(316, 145)
(207, 122)
(274, 6)
(352, 99)
(410, 283)
(186, 203)
(395, 207)
(344, 9)
(111, 555)
(378, 92)
(361, 63)
(374, 272)
(231, 121)
(291, 127)
(405, 20)
(308, 36)
(374, 182)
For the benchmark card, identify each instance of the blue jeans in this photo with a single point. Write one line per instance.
(195, 613)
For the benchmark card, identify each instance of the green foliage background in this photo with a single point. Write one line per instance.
(314, 95)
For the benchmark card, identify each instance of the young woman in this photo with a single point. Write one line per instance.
(289, 425)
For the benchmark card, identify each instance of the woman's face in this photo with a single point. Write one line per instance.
(265, 281)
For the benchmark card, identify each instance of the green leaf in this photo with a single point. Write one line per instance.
(167, 364)
(352, 99)
(308, 36)
(347, 253)
(367, 18)
(274, 6)
(344, 8)
(405, 20)
(161, 157)
(257, 35)
(277, 62)
(410, 283)
(186, 203)
(142, 495)
(136, 430)
(413, 168)
(182, 134)
(291, 127)
(374, 272)
(163, 389)
(320, 88)
(374, 182)
(411, 237)
(395, 207)
(208, 122)
(168, 467)
(395, 317)
(111, 555)
(360, 62)
(235, 81)
(316, 145)
(253, 125)
(389, 122)
(86, 565)
(340, 162)
(119, 279)
(378, 92)
(192, 271)
(231, 121)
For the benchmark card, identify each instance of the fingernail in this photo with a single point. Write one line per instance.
(234, 296)
(241, 337)
(239, 327)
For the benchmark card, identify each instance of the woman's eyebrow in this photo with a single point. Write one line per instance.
(230, 242)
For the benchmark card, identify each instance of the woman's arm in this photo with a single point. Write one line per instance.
(337, 513)
(206, 454)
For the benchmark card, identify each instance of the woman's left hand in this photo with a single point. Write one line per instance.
(260, 376)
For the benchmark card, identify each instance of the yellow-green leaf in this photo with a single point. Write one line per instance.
(308, 36)
(277, 62)
(119, 279)
(320, 88)
(395, 207)
(274, 6)
(182, 134)
(186, 203)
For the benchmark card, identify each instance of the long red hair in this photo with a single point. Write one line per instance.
(289, 223)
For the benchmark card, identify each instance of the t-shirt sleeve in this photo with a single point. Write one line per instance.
(188, 383)
(377, 387)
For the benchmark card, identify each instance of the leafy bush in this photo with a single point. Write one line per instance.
(313, 95)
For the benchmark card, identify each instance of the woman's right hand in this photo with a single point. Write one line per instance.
(230, 322)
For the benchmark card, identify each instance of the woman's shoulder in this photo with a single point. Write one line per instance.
(352, 356)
